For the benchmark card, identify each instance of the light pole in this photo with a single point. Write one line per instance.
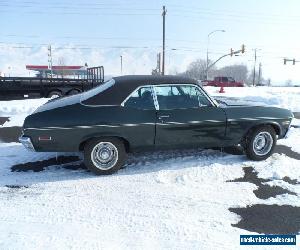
(121, 61)
(214, 31)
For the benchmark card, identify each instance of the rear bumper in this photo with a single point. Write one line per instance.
(26, 141)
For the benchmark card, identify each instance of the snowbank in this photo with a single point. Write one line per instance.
(17, 110)
(283, 97)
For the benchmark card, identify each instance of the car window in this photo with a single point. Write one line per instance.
(140, 99)
(224, 79)
(180, 97)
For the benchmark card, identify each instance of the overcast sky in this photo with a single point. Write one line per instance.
(98, 32)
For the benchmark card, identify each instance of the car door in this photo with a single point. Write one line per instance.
(138, 118)
(187, 118)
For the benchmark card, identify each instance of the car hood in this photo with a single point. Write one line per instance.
(235, 102)
(256, 112)
(59, 102)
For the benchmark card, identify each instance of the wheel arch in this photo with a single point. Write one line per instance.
(91, 137)
(273, 124)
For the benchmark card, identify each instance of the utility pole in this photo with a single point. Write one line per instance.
(121, 58)
(50, 59)
(259, 73)
(164, 39)
(158, 68)
(254, 73)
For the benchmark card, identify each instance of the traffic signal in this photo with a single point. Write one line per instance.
(284, 61)
(294, 61)
(231, 52)
(243, 48)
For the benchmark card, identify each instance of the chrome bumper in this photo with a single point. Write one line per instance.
(26, 141)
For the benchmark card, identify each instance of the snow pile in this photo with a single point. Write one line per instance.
(17, 110)
(292, 141)
(283, 97)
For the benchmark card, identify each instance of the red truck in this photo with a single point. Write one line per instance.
(223, 81)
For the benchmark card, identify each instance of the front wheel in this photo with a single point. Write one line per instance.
(104, 156)
(260, 143)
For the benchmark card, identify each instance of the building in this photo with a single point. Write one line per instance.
(59, 71)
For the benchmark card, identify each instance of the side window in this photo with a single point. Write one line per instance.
(140, 99)
(224, 79)
(180, 97)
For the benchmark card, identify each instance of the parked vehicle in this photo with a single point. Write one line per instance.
(222, 81)
(138, 113)
(12, 88)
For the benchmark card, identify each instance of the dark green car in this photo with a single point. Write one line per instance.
(137, 113)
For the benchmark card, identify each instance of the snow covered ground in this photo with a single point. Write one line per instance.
(161, 200)
(173, 200)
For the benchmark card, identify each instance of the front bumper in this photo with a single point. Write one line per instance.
(26, 141)
(288, 132)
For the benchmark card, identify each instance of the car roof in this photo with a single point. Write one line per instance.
(140, 80)
(125, 85)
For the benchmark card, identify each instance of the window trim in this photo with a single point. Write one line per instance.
(154, 96)
(152, 93)
(187, 84)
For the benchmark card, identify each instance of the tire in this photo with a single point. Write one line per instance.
(55, 94)
(74, 92)
(113, 155)
(260, 143)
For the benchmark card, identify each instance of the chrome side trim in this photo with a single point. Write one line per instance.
(124, 125)
(93, 126)
(254, 118)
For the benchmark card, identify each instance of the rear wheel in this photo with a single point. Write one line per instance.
(55, 94)
(260, 143)
(104, 156)
(74, 92)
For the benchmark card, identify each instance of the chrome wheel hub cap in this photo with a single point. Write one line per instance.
(104, 155)
(262, 143)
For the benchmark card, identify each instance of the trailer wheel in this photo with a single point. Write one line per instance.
(73, 92)
(55, 94)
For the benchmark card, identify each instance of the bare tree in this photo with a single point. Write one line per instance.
(239, 72)
(197, 69)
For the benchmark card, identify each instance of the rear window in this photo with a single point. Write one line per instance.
(95, 91)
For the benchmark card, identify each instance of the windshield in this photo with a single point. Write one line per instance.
(95, 91)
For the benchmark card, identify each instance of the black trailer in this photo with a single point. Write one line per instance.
(13, 88)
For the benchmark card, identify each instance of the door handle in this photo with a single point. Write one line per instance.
(162, 117)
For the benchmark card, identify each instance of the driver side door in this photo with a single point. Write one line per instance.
(187, 118)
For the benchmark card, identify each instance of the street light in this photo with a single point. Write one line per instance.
(121, 61)
(214, 31)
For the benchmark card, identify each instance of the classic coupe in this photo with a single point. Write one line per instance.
(136, 113)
